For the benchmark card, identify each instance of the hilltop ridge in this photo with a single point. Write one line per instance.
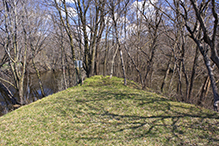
(105, 112)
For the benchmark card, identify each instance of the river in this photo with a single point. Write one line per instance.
(52, 82)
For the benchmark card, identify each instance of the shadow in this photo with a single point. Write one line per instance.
(136, 116)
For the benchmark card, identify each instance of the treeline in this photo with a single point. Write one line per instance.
(170, 46)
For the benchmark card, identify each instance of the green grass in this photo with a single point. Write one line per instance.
(104, 112)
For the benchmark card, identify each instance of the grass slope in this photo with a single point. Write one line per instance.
(104, 112)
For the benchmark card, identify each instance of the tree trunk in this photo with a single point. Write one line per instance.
(204, 90)
(105, 60)
(193, 74)
(172, 78)
(63, 67)
(111, 72)
(106, 51)
(39, 78)
(135, 66)
(123, 66)
(8, 94)
(211, 75)
(166, 75)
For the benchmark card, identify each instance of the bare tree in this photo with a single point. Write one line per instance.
(92, 29)
(200, 15)
(115, 14)
(62, 7)
(17, 61)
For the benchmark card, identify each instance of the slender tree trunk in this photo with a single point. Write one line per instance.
(8, 94)
(193, 74)
(111, 71)
(123, 66)
(39, 78)
(106, 50)
(154, 31)
(21, 81)
(172, 78)
(183, 67)
(63, 54)
(105, 57)
(63, 67)
(204, 90)
(166, 75)
(186, 78)
(97, 67)
(67, 27)
(135, 66)
(179, 85)
(28, 87)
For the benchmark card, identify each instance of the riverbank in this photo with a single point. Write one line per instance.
(105, 112)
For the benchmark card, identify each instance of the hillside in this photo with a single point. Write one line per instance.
(104, 112)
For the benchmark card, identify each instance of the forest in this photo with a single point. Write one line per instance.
(168, 46)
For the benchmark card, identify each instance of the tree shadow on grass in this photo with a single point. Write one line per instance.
(152, 118)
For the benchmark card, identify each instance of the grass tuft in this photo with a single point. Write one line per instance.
(105, 112)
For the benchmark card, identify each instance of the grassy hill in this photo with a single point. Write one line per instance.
(104, 112)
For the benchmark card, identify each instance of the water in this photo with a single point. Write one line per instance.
(52, 83)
